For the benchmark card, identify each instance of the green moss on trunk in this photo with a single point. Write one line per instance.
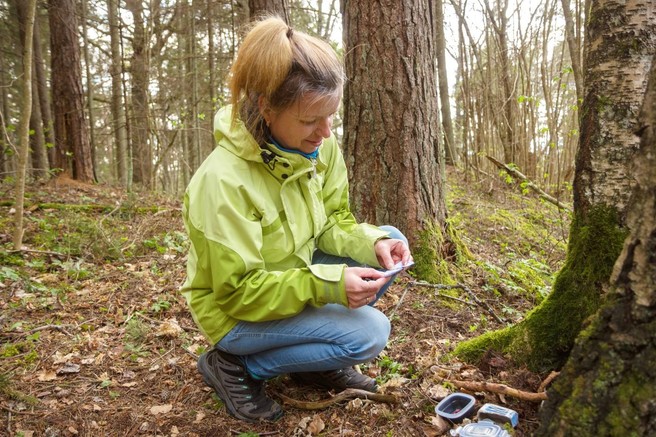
(435, 247)
(545, 337)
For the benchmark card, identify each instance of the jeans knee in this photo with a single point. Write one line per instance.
(374, 336)
(394, 233)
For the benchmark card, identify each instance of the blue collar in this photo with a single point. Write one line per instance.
(312, 155)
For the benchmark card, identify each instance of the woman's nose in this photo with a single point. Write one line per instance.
(324, 127)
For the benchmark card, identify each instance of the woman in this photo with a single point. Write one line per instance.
(275, 269)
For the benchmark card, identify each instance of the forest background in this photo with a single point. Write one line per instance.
(120, 97)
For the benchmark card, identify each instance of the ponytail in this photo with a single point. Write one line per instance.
(281, 65)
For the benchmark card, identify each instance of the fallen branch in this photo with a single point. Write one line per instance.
(503, 389)
(349, 393)
(529, 184)
(461, 287)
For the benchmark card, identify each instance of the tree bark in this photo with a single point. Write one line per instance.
(391, 141)
(72, 139)
(607, 386)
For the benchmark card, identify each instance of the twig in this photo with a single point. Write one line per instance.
(349, 393)
(235, 432)
(461, 287)
(398, 304)
(44, 252)
(43, 328)
(499, 388)
(548, 380)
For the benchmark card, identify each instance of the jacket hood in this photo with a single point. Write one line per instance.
(236, 138)
(240, 142)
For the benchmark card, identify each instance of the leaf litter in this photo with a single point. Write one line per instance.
(126, 362)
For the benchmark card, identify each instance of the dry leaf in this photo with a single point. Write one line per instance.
(47, 375)
(199, 416)
(68, 368)
(441, 425)
(316, 426)
(170, 328)
(160, 409)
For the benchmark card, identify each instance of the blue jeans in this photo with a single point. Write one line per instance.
(327, 338)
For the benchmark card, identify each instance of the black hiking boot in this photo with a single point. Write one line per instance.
(242, 395)
(337, 379)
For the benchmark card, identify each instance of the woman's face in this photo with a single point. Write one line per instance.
(303, 125)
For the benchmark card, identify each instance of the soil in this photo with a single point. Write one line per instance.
(115, 353)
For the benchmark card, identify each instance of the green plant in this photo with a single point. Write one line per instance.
(160, 305)
(136, 331)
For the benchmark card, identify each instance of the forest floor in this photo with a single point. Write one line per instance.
(97, 341)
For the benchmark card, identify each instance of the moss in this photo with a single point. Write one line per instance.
(544, 338)
(437, 251)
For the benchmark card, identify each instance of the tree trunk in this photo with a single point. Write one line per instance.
(37, 147)
(574, 45)
(24, 128)
(43, 94)
(89, 80)
(620, 43)
(118, 111)
(142, 154)
(445, 104)
(5, 162)
(72, 139)
(258, 8)
(391, 141)
(607, 386)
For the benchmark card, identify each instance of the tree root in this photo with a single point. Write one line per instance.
(349, 393)
(503, 389)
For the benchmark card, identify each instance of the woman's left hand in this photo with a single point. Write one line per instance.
(390, 251)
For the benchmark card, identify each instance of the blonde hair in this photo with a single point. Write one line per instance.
(281, 65)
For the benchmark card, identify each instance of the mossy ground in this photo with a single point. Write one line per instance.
(88, 319)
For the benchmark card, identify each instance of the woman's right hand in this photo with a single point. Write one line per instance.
(362, 284)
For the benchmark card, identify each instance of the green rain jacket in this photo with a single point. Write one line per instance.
(254, 226)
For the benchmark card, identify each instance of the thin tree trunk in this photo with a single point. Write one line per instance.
(117, 108)
(574, 45)
(142, 154)
(87, 66)
(37, 149)
(445, 103)
(43, 94)
(24, 128)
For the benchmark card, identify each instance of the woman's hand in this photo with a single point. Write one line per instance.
(390, 251)
(362, 284)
